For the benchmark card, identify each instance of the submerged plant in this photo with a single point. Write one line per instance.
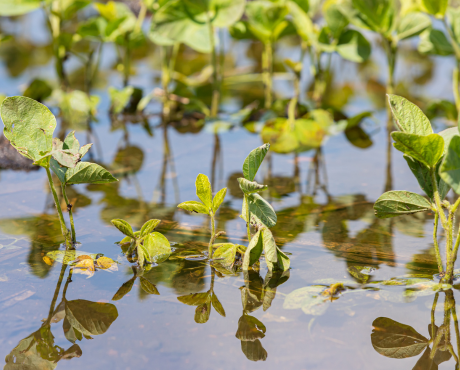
(434, 159)
(148, 245)
(208, 205)
(29, 127)
(260, 214)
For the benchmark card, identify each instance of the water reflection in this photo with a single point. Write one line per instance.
(80, 319)
(395, 340)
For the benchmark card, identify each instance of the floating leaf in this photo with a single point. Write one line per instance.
(88, 173)
(395, 340)
(84, 267)
(148, 227)
(203, 190)
(68, 257)
(106, 263)
(309, 299)
(427, 149)
(253, 161)
(225, 254)
(409, 118)
(157, 246)
(90, 318)
(396, 203)
(194, 206)
(124, 227)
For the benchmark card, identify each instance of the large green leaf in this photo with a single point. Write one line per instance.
(250, 187)
(427, 149)
(10, 8)
(254, 251)
(450, 167)
(376, 15)
(194, 206)
(253, 161)
(435, 7)
(396, 203)
(203, 190)
(29, 126)
(157, 246)
(354, 46)
(124, 227)
(88, 173)
(259, 207)
(435, 42)
(335, 19)
(395, 340)
(409, 118)
(90, 318)
(412, 24)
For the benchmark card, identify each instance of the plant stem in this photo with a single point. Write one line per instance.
(56, 294)
(57, 204)
(433, 310)
(127, 61)
(437, 200)
(248, 223)
(215, 79)
(213, 235)
(69, 207)
(455, 82)
(267, 67)
(436, 246)
(391, 50)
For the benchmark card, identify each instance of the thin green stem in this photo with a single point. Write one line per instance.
(436, 246)
(69, 207)
(215, 79)
(127, 61)
(213, 235)
(57, 204)
(267, 66)
(437, 200)
(455, 82)
(248, 218)
(390, 49)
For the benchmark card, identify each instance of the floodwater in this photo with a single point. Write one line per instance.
(326, 224)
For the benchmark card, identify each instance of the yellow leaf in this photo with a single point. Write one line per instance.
(48, 261)
(84, 267)
(106, 263)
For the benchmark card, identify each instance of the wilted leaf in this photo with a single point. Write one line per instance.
(309, 299)
(250, 187)
(254, 251)
(270, 248)
(84, 267)
(106, 263)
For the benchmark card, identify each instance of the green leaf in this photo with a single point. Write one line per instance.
(412, 25)
(303, 23)
(450, 167)
(335, 19)
(254, 160)
(157, 246)
(58, 170)
(378, 15)
(217, 305)
(395, 340)
(264, 18)
(259, 207)
(194, 206)
(38, 90)
(218, 199)
(65, 157)
(29, 126)
(120, 98)
(250, 329)
(9, 8)
(409, 118)
(149, 226)
(71, 142)
(354, 46)
(148, 287)
(90, 318)
(284, 263)
(88, 173)
(427, 149)
(309, 299)
(396, 203)
(84, 149)
(270, 248)
(453, 15)
(225, 254)
(435, 42)
(202, 313)
(203, 190)
(124, 289)
(435, 7)
(124, 227)
(254, 251)
(250, 187)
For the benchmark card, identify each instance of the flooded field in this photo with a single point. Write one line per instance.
(358, 291)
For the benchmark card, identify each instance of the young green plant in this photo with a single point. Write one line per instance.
(434, 159)
(208, 205)
(260, 214)
(149, 246)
